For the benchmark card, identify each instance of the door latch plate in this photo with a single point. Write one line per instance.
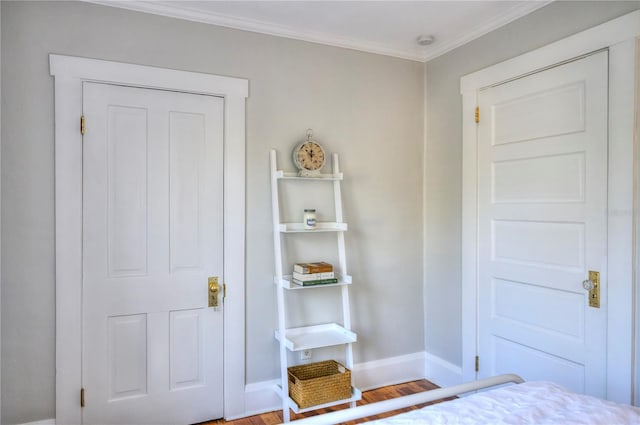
(214, 289)
(594, 293)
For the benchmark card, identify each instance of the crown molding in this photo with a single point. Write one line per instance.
(183, 11)
(485, 28)
(262, 27)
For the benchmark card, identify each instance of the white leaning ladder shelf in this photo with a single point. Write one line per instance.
(314, 336)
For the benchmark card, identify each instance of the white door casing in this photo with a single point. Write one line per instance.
(619, 38)
(69, 75)
(152, 235)
(542, 194)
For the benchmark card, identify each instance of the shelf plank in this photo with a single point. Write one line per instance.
(286, 175)
(320, 227)
(287, 283)
(310, 337)
(356, 395)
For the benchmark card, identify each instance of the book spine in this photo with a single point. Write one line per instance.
(315, 282)
(298, 268)
(313, 276)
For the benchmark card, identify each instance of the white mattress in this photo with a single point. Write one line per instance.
(527, 403)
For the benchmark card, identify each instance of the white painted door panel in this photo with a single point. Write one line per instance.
(152, 235)
(542, 199)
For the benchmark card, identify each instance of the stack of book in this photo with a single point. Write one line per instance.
(309, 274)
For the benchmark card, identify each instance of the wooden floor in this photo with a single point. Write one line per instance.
(372, 396)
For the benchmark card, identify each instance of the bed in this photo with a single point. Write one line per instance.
(524, 403)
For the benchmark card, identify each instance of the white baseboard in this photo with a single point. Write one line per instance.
(441, 372)
(390, 371)
(261, 397)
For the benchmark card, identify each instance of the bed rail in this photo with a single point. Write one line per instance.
(410, 400)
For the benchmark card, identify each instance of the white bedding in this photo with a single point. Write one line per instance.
(527, 403)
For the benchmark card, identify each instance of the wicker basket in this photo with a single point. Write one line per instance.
(318, 383)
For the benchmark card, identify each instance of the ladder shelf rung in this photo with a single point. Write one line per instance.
(320, 227)
(287, 282)
(356, 395)
(316, 336)
(286, 175)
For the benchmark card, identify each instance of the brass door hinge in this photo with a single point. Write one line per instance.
(81, 397)
(477, 364)
(477, 114)
(82, 125)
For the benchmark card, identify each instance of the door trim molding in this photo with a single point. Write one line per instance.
(619, 37)
(69, 73)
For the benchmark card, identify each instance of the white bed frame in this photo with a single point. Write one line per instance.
(407, 401)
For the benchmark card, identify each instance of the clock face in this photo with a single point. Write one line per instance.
(309, 156)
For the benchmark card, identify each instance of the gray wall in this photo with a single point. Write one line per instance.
(367, 107)
(443, 182)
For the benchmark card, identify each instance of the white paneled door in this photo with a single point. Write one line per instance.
(542, 209)
(152, 236)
